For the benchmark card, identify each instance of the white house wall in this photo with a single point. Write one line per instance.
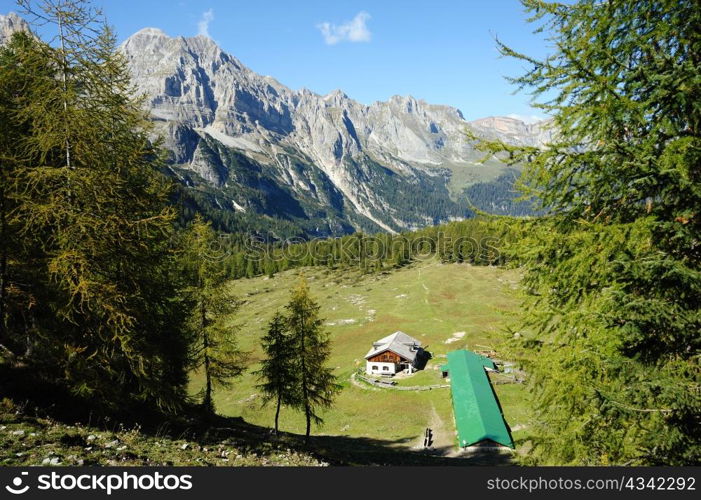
(391, 368)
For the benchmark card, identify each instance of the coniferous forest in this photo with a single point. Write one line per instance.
(118, 284)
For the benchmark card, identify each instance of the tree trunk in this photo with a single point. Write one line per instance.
(207, 403)
(305, 390)
(209, 407)
(3, 267)
(277, 412)
(65, 88)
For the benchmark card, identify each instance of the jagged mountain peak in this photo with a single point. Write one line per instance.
(501, 122)
(155, 38)
(11, 23)
(150, 31)
(513, 130)
(404, 98)
(336, 94)
(198, 91)
(327, 162)
(13, 19)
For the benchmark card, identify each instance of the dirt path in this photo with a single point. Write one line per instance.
(425, 288)
(361, 385)
(443, 434)
(443, 437)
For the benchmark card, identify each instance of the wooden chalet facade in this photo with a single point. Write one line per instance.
(393, 354)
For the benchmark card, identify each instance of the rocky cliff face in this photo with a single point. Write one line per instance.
(512, 131)
(10, 24)
(391, 165)
(246, 145)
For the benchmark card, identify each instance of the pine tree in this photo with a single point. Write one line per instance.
(93, 306)
(614, 271)
(12, 252)
(269, 267)
(278, 369)
(250, 268)
(316, 383)
(214, 349)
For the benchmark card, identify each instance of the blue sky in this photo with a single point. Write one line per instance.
(441, 51)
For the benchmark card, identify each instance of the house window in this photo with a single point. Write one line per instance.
(385, 368)
(374, 368)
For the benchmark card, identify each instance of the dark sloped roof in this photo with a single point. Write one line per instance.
(399, 343)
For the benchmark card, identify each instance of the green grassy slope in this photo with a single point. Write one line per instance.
(431, 301)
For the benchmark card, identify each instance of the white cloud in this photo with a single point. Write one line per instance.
(203, 23)
(526, 118)
(354, 30)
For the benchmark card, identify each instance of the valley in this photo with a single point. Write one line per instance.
(183, 239)
(445, 306)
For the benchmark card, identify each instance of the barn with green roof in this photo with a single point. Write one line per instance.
(478, 416)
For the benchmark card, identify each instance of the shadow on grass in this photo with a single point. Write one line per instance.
(39, 398)
(346, 450)
(336, 450)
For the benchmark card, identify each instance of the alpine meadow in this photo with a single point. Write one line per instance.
(202, 266)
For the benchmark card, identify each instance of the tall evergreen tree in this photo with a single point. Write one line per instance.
(317, 385)
(212, 303)
(614, 272)
(89, 270)
(278, 369)
(12, 252)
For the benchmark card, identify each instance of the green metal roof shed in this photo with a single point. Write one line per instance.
(477, 413)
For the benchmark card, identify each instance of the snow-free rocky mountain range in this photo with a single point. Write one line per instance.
(258, 155)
